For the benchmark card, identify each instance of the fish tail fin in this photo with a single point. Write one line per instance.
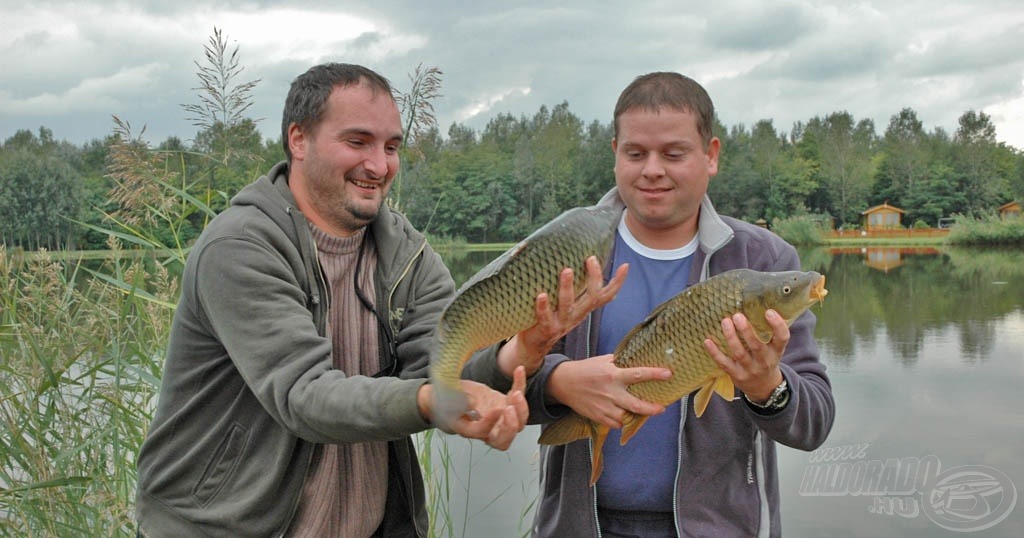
(567, 429)
(449, 404)
(630, 425)
(722, 384)
(449, 401)
(597, 463)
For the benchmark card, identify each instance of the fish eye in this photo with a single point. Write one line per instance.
(786, 290)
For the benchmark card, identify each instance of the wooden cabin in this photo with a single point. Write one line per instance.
(881, 217)
(1010, 209)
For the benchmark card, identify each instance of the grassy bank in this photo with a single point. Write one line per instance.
(982, 231)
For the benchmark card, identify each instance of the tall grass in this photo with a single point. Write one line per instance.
(79, 367)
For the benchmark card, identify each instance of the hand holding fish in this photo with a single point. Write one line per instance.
(493, 417)
(752, 364)
(529, 347)
(597, 389)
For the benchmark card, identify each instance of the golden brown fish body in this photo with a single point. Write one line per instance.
(498, 301)
(673, 337)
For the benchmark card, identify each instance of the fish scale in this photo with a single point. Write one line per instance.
(499, 300)
(673, 335)
(700, 309)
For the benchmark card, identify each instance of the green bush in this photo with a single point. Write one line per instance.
(804, 230)
(988, 230)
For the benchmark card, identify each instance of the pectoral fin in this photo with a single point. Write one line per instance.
(722, 384)
(567, 429)
(630, 425)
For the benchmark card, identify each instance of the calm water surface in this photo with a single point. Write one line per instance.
(925, 349)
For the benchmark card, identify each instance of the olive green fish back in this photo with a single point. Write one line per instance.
(498, 301)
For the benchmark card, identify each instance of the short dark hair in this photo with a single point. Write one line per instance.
(309, 92)
(658, 90)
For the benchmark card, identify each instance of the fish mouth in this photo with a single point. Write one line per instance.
(818, 291)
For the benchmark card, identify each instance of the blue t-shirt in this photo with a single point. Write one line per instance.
(641, 475)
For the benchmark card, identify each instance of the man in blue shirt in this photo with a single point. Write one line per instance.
(680, 476)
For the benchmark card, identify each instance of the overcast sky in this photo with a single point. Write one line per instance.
(70, 66)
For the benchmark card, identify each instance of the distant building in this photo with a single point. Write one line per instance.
(1010, 209)
(881, 217)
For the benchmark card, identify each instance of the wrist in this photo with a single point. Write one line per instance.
(423, 398)
(774, 402)
(512, 355)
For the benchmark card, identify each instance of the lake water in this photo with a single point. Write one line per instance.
(925, 349)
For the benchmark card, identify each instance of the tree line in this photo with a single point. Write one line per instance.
(501, 183)
(493, 185)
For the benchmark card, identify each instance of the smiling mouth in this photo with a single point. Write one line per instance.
(363, 184)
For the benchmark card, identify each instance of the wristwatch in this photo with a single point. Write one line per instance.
(776, 401)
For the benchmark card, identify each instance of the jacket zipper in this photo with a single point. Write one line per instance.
(410, 497)
(679, 464)
(590, 442)
(319, 273)
(765, 524)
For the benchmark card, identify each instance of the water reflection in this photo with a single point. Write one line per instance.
(911, 293)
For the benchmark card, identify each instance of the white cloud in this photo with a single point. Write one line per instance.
(1008, 118)
(91, 94)
(488, 103)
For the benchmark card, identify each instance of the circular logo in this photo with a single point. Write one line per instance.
(969, 498)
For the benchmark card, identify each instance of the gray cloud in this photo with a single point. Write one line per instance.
(69, 67)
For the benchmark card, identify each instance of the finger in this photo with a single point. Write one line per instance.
(746, 332)
(724, 361)
(642, 407)
(504, 430)
(780, 329)
(566, 292)
(736, 351)
(542, 308)
(517, 398)
(612, 419)
(595, 276)
(639, 374)
(518, 379)
(608, 292)
(518, 402)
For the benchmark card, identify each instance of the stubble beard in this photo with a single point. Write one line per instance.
(330, 199)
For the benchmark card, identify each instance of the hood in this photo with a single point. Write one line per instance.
(712, 231)
(271, 196)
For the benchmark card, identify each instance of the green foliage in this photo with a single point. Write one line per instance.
(804, 230)
(987, 230)
(40, 189)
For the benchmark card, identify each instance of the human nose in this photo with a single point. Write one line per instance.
(376, 163)
(652, 166)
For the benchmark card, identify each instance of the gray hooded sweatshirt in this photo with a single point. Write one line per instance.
(726, 481)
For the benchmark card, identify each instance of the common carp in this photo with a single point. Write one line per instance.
(499, 300)
(673, 335)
